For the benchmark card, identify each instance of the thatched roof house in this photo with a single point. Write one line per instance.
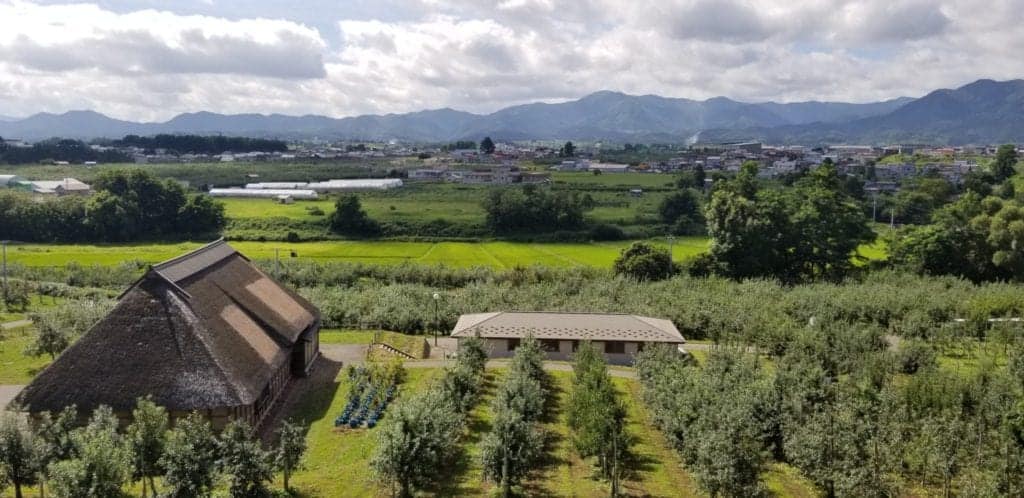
(207, 331)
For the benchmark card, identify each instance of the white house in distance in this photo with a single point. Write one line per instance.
(619, 336)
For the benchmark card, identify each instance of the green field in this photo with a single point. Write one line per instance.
(460, 254)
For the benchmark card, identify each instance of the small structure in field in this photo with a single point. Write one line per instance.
(285, 199)
(206, 332)
(618, 336)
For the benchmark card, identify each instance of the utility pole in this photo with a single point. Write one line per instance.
(437, 316)
(874, 207)
(4, 244)
(671, 240)
(277, 263)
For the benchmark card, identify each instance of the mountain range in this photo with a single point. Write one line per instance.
(982, 112)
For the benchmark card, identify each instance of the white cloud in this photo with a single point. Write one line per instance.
(481, 56)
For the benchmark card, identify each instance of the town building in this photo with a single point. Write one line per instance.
(205, 332)
(618, 336)
(67, 186)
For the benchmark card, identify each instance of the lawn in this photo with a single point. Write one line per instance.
(337, 462)
(15, 367)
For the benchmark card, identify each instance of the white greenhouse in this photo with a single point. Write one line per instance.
(263, 193)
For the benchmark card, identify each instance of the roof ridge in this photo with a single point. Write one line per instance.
(195, 252)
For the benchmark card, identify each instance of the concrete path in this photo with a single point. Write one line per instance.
(15, 325)
(8, 392)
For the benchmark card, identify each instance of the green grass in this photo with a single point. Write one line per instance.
(460, 254)
(15, 367)
(656, 471)
(337, 462)
(633, 180)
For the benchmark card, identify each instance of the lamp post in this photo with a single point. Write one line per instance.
(437, 316)
(671, 240)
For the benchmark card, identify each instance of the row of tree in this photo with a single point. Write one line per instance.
(420, 435)
(202, 144)
(844, 410)
(597, 415)
(128, 205)
(97, 460)
(516, 440)
(72, 151)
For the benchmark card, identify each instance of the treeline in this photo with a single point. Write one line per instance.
(978, 237)
(72, 151)
(516, 210)
(98, 459)
(844, 410)
(202, 144)
(127, 205)
(761, 312)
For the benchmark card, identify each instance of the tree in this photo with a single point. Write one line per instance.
(533, 209)
(49, 339)
(809, 232)
(682, 210)
(417, 438)
(22, 452)
(642, 261)
(568, 150)
(487, 146)
(147, 435)
(56, 432)
(248, 466)
(101, 463)
(1005, 164)
(201, 214)
(291, 445)
(16, 295)
(349, 218)
(596, 414)
(510, 449)
(190, 458)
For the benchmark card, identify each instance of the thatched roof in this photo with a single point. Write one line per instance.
(205, 330)
(568, 326)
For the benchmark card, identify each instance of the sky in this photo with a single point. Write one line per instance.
(150, 60)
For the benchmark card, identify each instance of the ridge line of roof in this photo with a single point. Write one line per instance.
(192, 253)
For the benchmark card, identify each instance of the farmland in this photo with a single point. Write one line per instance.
(459, 254)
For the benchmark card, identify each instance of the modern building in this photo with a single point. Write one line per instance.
(264, 193)
(619, 336)
(205, 332)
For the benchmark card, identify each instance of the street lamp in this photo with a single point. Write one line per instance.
(671, 240)
(437, 316)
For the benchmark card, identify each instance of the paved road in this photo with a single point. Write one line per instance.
(8, 392)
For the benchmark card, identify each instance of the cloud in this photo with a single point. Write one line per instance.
(381, 56)
(76, 37)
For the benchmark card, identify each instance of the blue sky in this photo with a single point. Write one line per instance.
(150, 60)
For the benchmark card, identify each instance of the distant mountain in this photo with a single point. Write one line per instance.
(7, 118)
(982, 112)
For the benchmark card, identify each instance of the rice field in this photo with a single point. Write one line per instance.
(458, 254)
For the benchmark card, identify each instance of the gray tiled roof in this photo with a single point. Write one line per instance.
(569, 326)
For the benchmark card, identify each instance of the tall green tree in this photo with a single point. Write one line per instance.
(147, 435)
(1005, 163)
(22, 452)
(190, 458)
(291, 445)
(509, 451)
(568, 150)
(243, 460)
(349, 218)
(682, 211)
(487, 146)
(101, 463)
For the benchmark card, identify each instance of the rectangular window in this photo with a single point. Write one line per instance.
(575, 346)
(549, 345)
(513, 344)
(615, 347)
